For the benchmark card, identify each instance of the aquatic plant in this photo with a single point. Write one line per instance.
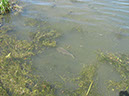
(42, 40)
(86, 83)
(16, 76)
(16, 79)
(6, 29)
(4, 6)
(120, 62)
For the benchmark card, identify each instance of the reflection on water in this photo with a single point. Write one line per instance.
(85, 25)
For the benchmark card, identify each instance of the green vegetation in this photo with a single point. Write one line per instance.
(120, 62)
(16, 76)
(40, 40)
(4, 6)
(86, 83)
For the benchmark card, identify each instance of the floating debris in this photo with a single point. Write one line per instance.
(8, 56)
(89, 88)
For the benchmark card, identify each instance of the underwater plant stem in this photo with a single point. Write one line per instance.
(89, 88)
(64, 79)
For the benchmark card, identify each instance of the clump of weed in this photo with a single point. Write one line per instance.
(16, 76)
(42, 40)
(86, 82)
(121, 65)
(5, 29)
(4, 6)
(16, 79)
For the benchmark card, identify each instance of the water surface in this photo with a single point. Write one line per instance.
(85, 27)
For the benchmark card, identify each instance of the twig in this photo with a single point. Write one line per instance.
(89, 88)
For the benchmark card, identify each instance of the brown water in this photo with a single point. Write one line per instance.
(85, 25)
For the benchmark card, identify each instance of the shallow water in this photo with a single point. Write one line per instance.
(86, 26)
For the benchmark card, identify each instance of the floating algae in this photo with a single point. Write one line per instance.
(120, 63)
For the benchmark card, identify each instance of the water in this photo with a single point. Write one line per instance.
(86, 26)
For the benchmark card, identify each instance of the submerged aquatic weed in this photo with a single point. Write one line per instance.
(31, 22)
(16, 79)
(16, 76)
(42, 40)
(86, 82)
(3, 92)
(5, 29)
(121, 65)
(41, 25)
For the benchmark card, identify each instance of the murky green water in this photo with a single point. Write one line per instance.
(85, 26)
